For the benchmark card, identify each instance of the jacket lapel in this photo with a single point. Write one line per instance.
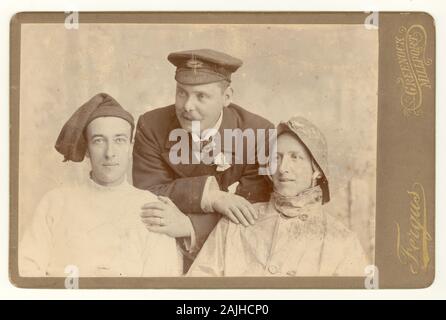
(229, 122)
(183, 170)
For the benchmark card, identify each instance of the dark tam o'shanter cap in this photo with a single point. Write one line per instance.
(71, 142)
(203, 66)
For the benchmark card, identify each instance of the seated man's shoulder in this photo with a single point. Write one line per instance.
(141, 195)
(64, 191)
(247, 119)
(55, 201)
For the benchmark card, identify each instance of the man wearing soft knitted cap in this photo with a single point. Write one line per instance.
(203, 99)
(96, 226)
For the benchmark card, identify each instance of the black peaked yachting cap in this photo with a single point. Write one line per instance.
(71, 142)
(203, 66)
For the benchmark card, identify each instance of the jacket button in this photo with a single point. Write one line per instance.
(273, 269)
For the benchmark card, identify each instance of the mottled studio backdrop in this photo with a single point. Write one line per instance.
(327, 73)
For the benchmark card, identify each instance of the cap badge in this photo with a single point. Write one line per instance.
(193, 63)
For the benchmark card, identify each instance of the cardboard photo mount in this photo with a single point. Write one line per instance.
(405, 185)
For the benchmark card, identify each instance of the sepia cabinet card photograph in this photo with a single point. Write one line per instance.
(222, 150)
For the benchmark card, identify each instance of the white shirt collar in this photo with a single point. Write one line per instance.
(210, 132)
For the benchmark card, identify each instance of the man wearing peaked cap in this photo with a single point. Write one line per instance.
(120, 244)
(200, 190)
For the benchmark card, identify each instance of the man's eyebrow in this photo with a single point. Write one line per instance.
(193, 91)
(103, 136)
(97, 135)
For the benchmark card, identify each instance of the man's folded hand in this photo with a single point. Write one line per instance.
(235, 207)
(163, 216)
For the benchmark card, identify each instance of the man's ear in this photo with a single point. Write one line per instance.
(227, 96)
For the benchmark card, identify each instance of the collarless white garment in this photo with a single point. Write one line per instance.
(97, 229)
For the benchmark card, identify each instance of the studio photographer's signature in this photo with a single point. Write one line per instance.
(410, 49)
(412, 246)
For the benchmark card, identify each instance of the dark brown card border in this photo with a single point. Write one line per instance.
(400, 162)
